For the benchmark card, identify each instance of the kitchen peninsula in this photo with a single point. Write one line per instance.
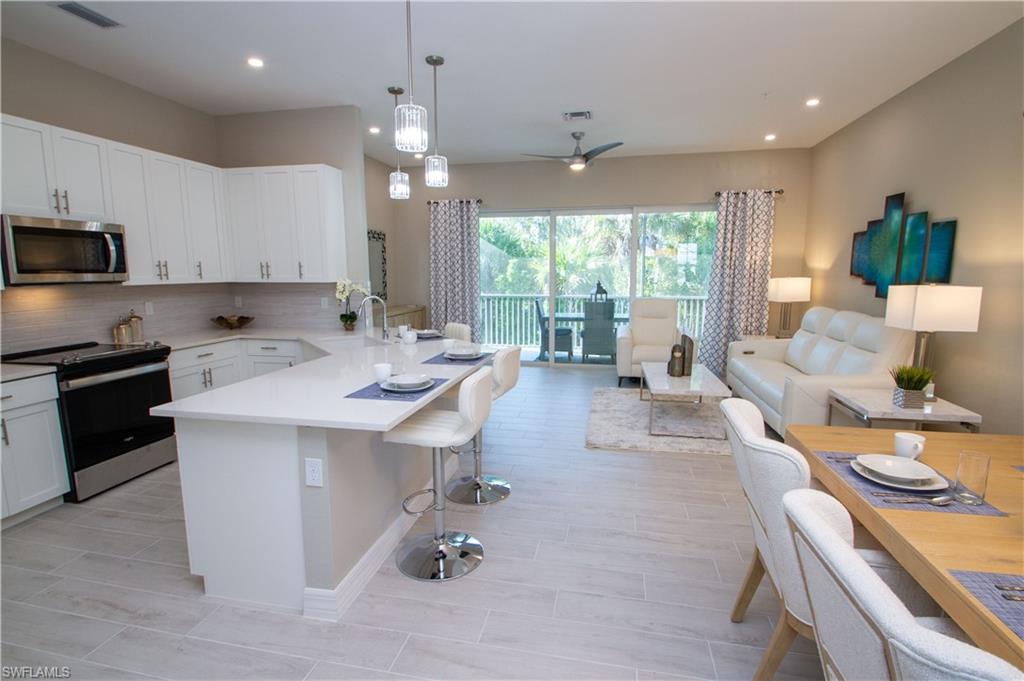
(263, 526)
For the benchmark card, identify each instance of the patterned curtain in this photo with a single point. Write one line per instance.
(455, 263)
(737, 302)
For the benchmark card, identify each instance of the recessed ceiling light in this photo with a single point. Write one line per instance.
(255, 62)
(374, 130)
(770, 137)
(813, 101)
(417, 155)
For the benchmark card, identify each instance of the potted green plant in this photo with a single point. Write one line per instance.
(910, 384)
(343, 292)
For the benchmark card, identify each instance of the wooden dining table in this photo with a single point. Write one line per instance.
(929, 544)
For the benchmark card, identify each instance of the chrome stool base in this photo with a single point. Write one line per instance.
(423, 557)
(472, 491)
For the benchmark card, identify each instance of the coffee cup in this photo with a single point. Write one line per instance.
(409, 337)
(448, 344)
(382, 371)
(910, 445)
(402, 329)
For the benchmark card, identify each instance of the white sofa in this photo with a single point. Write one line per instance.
(649, 337)
(789, 379)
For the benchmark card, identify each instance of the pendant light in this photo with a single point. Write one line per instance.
(410, 119)
(436, 171)
(398, 184)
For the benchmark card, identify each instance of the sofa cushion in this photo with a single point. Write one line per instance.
(874, 347)
(652, 321)
(824, 356)
(800, 346)
(843, 325)
(764, 377)
(651, 353)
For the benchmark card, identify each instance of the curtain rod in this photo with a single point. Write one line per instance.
(766, 191)
(459, 200)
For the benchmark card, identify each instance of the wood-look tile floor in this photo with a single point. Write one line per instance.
(601, 565)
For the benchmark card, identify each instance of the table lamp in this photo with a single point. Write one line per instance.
(928, 308)
(788, 290)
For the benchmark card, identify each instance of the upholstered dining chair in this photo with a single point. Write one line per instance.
(767, 470)
(863, 629)
(458, 331)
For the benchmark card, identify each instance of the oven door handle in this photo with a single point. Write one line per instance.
(98, 379)
(112, 250)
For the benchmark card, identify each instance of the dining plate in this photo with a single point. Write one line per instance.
(898, 468)
(428, 333)
(409, 380)
(457, 356)
(392, 388)
(934, 485)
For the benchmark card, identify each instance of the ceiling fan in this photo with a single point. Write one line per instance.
(578, 160)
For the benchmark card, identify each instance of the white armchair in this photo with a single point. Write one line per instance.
(789, 379)
(649, 337)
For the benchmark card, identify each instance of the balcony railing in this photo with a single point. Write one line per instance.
(511, 319)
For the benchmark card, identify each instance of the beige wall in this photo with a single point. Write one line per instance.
(380, 210)
(43, 88)
(669, 180)
(331, 135)
(953, 143)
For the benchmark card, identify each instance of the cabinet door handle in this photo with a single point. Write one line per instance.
(209, 372)
(3, 426)
(291, 363)
(205, 384)
(56, 199)
(199, 264)
(300, 269)
(268, 347)
(268, 269)
(67, 204)
(159, 271)
(167, 272)
(263, 274)
(204, 354)
(6, 397)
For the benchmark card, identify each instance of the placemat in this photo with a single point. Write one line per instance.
(441, 359)
(840, 463)
(1020, 468)
(983, 586)
(375, 392)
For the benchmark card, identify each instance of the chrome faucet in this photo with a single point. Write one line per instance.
(384, 305)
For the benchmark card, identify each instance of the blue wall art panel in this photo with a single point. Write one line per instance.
(939, 264)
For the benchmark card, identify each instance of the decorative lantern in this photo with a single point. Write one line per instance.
(599, 294)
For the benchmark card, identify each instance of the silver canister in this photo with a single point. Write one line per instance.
(122, 332)
(135, 322)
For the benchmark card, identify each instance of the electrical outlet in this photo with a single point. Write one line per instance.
(149, 307)
(323, 303)
(314, 472)
(238, 302)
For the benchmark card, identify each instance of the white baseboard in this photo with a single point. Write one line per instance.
(329, 604)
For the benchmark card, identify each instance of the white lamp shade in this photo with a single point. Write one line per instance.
(789, 289)
(398, 187)
(410, 128)
(436, 171)
(933, 308)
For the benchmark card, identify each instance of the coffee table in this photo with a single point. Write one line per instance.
(699, 384)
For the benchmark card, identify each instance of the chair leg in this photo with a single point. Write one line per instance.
(442, 554)
(478, 489)
(620, 381)
(755, 573)
(780, 643)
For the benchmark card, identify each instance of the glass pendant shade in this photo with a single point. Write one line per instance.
(399, 185)
(410, 128)
(436, 173)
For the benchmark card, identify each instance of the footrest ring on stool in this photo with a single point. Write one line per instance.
(405, 503)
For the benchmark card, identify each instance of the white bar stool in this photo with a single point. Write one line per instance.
(443, 554)
(479, 489)
(460, 332)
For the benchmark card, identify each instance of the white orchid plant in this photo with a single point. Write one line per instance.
(343, 292)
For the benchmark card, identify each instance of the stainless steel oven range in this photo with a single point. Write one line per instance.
(106, 392)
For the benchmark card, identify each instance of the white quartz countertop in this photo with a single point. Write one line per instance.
(193, 339)
(313, 393)
(16, 372)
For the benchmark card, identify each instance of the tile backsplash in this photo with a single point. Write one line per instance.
(43, 316)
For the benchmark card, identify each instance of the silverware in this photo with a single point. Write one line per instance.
(944, 500)
(1013, 597)
(1009, 587)
(890, 494)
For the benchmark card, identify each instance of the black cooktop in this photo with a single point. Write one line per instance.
(91, 357)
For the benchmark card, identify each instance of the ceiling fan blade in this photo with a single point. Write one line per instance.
(553, 158)
(601, 149)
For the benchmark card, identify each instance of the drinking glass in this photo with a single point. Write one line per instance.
(971, 478)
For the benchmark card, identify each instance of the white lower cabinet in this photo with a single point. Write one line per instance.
(34, 467)
(205, 367)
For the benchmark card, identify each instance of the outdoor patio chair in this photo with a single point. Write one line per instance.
(563, 336)
(598, 329)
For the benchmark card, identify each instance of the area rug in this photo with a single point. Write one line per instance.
(618, 420)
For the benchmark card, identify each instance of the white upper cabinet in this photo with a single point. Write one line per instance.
(167, 176)
(129, 188)
(243, 190)
(319, 218)
(205, 220)
(82, 178)
(29, 177)
(279, 233)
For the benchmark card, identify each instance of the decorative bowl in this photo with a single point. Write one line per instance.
(232, 321)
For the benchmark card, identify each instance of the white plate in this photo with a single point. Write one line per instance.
(460, 357)
(409, 380)
(392, 388)
(938, 484)
(428, 333)
(897, 467)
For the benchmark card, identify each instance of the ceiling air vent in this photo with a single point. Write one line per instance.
(92, 16)
(577, 116)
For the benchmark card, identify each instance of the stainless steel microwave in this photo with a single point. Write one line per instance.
(50, 251)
